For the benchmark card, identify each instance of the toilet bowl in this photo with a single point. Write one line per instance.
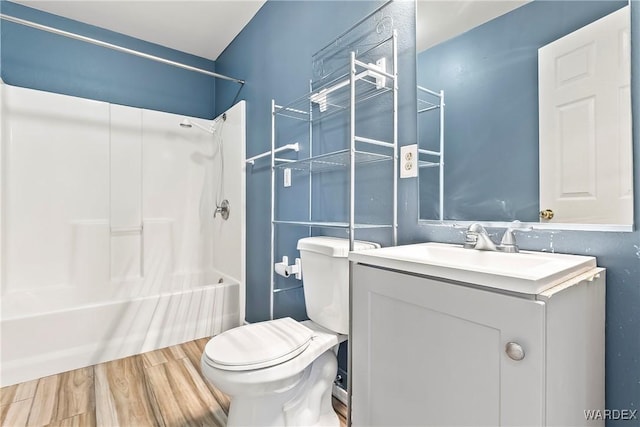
(280, 372)
(277, 394)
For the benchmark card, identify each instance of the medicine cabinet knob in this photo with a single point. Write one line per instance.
(546, 214)
(514, 351)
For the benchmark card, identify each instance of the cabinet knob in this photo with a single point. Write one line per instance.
(514, 351)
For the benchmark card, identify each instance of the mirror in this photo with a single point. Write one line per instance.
(507, 89)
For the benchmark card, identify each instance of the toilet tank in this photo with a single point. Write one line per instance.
(325, 276)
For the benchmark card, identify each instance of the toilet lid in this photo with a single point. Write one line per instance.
(258, 345)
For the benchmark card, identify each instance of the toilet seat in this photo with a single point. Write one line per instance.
(258, 345)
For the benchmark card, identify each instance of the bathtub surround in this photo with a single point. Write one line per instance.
(114, 205)
(273, 54)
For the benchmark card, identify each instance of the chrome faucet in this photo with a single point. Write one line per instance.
(478, 238)
(223, 210)
(508, 242)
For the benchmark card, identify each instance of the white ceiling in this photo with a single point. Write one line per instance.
(203, 27)
(440, 20)
(206, 27)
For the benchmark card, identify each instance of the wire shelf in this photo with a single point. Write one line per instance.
(331, 224)
(334, 161)
(335, 96)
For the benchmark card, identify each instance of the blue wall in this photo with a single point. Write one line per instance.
(44, 61)
(491, 93)
(273, 55)
(618, 252)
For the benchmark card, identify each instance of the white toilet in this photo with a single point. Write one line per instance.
(281, 372)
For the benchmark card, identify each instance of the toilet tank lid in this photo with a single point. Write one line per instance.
(333, 246)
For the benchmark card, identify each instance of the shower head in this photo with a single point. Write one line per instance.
(188, 124)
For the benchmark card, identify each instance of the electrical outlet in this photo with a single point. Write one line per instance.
(287, 177)
(409, 161)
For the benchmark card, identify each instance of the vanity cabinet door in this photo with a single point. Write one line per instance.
(430, 353)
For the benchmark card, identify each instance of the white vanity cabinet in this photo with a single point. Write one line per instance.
(428, 351)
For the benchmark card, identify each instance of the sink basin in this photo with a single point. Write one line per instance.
(525, 272)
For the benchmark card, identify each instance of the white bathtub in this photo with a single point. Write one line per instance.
(56, 330)
(108, 243)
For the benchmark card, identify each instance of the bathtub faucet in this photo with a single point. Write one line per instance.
(223, 210)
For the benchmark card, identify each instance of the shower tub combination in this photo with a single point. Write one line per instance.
(44, 333)
(108, 243)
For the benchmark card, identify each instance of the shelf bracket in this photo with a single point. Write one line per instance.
(378, 71)
(293, 147)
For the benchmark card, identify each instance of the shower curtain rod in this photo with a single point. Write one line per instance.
(115, 47)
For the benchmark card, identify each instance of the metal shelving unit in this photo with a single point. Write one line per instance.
(365, 82)
(361, 77)
(345, 93)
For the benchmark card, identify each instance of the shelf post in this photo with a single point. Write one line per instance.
(310, 193)
(352, 188)
(441, 189)
(273, 209)
(395, 137)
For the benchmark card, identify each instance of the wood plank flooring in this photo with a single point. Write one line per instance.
(160, 388)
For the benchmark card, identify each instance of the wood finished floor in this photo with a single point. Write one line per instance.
(158, 388)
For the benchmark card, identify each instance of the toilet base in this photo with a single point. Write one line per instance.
(308, 403)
